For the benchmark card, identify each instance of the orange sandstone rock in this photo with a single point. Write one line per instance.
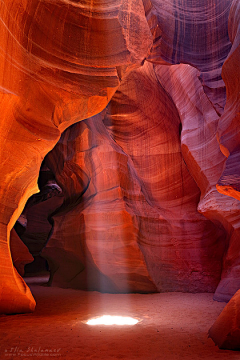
(60, 62)
(141, 211)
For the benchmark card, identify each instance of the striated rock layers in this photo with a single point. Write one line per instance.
(135, 222)
(60, 62)
(144, 176)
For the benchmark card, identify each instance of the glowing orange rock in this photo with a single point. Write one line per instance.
(139, 177)
(60, 62)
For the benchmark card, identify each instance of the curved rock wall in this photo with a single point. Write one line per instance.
(60, 62)
(141, 211)
(135, 213)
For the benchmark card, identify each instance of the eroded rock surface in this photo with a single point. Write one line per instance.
(134, 219)
(145, 176)
(225, 332)
(60, 62)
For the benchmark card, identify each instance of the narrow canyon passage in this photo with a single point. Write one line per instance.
(125, 115)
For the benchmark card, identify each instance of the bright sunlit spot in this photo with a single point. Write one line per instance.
(112, 320)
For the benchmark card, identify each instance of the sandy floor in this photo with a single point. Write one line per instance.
(173, 326)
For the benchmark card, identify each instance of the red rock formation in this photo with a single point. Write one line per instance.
(195, 33)
(130, 200)
(202, 155)
(229, 138)
(93, 230)
(199, 97)
(225, 332)
(229, 135)
(20, 253)
(199, 112)
(141, 210)
(60, 62)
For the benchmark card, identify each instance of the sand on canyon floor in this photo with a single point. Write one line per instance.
(172, 326)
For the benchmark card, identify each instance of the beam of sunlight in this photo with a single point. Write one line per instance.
(112, 320)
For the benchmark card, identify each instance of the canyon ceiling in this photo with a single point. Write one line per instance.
(134, 107)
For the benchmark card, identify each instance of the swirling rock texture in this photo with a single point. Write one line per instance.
(141, 211)
(200, 120)
(136, 216)
(195, 33)
(60, 62)
(94, 244)
(198, 92)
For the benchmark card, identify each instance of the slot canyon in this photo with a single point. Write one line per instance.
(120, 183)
